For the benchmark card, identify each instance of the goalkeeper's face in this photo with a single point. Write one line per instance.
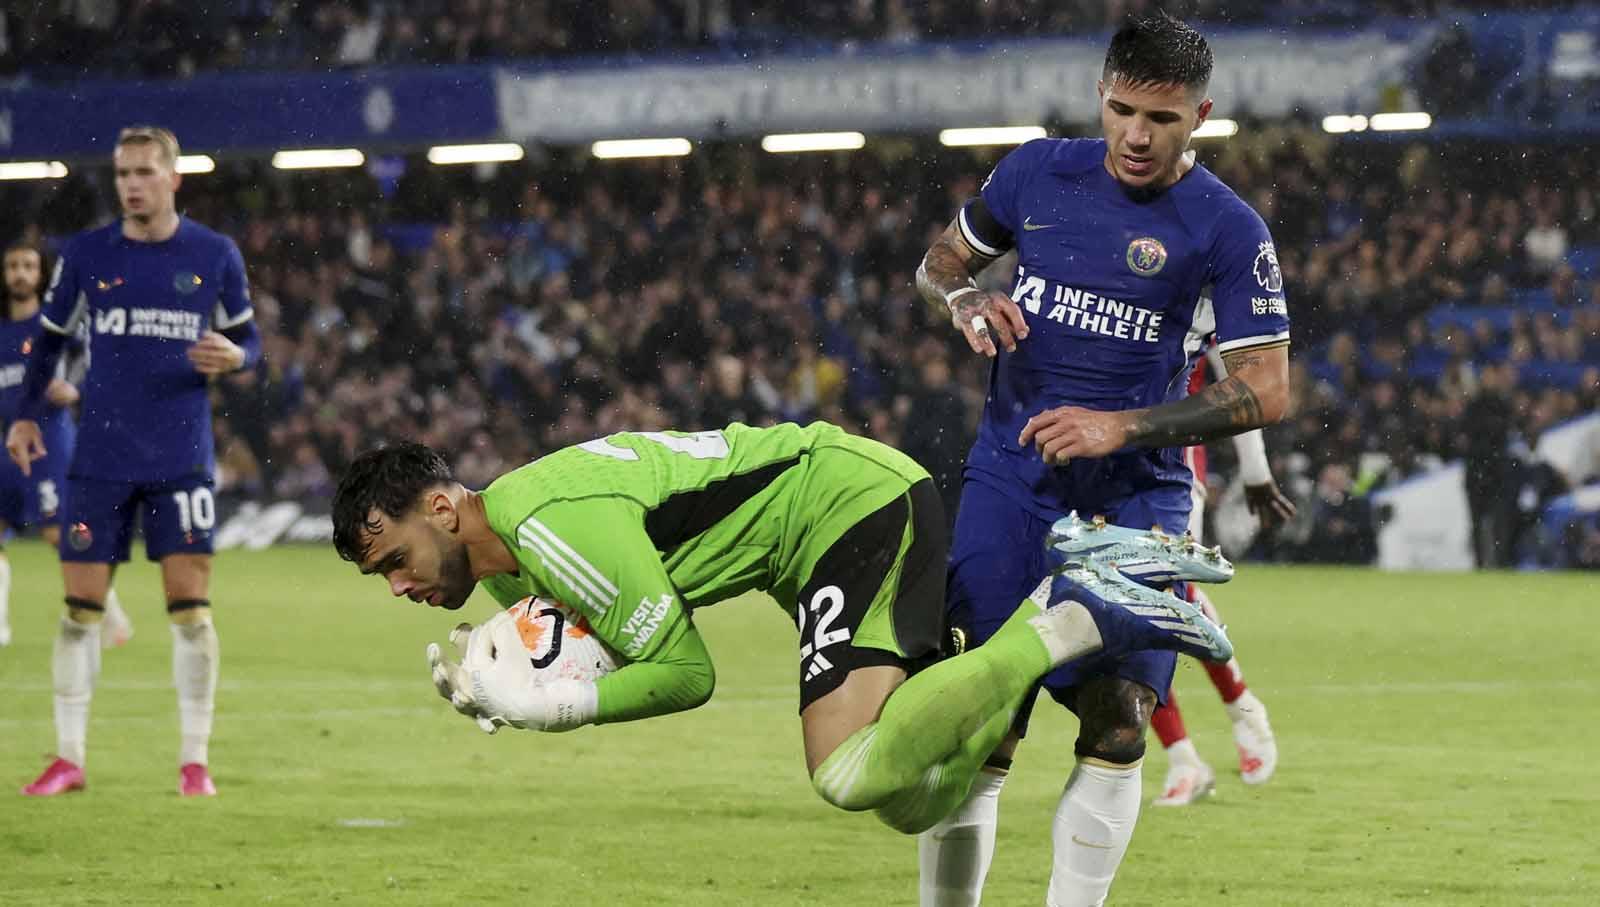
(421, 560)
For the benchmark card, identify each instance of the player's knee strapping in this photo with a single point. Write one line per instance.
(1113, 748)
(83, 604)
(83, 610)
(188, 610)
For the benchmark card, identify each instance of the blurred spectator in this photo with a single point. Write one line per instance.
(362, 32)
(1545, 242)
(1342, 527)
(1487, 425)
(1449, 79)
(938, 428)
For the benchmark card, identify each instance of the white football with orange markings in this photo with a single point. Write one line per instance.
(560, 642)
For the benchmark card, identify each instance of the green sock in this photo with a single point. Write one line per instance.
(945, 786)
(938, 727)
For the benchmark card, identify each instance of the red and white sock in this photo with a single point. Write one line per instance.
(1167, 721)
(1227, 678)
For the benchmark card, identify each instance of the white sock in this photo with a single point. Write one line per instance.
(1247, 705)
(1067, 631)
(194, 673)
(5, 596)
(955, 854)
(75, 666)
(1183, 751)
(1093, 825)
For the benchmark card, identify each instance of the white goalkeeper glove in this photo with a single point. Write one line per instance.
(451, 679)
(497, 685)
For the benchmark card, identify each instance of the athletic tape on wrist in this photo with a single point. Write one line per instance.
(951, 297)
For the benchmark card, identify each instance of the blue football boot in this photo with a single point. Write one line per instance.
(1131, 617)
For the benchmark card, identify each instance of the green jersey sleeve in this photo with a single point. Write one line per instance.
(594, 555)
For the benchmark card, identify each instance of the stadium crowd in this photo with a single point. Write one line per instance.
(66, 39)
(505, 312)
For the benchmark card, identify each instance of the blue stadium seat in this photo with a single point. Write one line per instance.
(409, 237)
(1552, 374)
(1428, 363)
(1585, 260)
(1537, 298)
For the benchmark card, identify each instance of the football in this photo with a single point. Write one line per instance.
(559, 641)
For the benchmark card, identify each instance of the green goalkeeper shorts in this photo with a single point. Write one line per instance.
(875, 596)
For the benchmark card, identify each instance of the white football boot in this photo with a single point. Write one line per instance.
(1252, 735)
(1188, 777)
(117, 628)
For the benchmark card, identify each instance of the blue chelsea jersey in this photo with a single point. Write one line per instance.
(1121, 293)
(16, 345)
(145, 414)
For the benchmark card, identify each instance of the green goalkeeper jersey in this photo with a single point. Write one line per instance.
(637, 529)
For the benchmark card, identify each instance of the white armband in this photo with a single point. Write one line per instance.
(1252, 451)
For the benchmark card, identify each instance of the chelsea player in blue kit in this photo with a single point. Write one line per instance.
(34, 500)
(166, 306)
(1130, 256)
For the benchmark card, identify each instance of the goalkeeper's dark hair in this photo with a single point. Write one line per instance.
(388, 479)
(1158, 50)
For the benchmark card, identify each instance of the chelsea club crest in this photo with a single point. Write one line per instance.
(1146, 256)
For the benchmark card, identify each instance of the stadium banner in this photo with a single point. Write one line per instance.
(1573, 447)
(254, 525)
(1429, 526)
(1264, 73)
(254, 111)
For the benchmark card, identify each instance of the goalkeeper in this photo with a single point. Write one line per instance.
(636, 530)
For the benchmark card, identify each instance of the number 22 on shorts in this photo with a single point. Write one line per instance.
(824, 609)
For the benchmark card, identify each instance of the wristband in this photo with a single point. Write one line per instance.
(951, 297)
(1252, 451)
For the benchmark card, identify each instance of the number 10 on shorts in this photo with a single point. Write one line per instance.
(824, 609)
(197, 510)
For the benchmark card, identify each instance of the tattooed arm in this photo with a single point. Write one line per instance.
(945, 280)
(1255, 394)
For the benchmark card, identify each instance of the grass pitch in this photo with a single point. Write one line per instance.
(1428, 726)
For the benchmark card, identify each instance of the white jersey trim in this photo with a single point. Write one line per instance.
(222, 322)
(972, 239)
(1258, 340)
(79, 309)
(598, 591)
(53, 327)
(561, 570)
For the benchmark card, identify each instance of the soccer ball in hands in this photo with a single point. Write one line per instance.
(559, 641)
(532, 665)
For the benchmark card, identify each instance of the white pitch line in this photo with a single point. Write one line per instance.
(236, 714)
(1457, 687)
